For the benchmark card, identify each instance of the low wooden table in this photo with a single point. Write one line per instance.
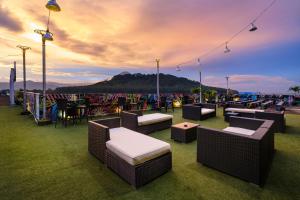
(184, 132)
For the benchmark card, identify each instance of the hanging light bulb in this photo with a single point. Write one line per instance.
(199, 61)
(53, 6)
(253, 28)
(227, 50)
(178, 68)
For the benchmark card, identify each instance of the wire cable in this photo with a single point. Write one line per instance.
(10, 56)
(209, 52)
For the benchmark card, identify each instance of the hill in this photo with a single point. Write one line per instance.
(32, 85)
(139, 83)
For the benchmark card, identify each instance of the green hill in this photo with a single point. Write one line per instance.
(139, 83)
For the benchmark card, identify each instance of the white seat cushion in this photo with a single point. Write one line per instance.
(153, 118)
(243, 110)
(205, 111)
(238, 130)
(135, 148)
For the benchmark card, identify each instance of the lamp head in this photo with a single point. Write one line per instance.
(227, 50)
(48, 36)
(24, 48)
(253, 28)
(53, 6)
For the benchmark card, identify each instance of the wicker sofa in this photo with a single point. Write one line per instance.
(135, 157)
(199, 111)
(244, 149)
(135, 120)
(277, 117)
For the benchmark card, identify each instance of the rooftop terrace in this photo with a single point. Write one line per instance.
(53, 163)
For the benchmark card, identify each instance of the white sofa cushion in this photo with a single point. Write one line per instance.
(153, 118)
(205, 111)
(243, 110)
(135, 148)
(238, 130)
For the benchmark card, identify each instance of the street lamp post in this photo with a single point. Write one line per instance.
(24, 49)
(157, 82)
(227, 80)
(46, 36)
(200, 77)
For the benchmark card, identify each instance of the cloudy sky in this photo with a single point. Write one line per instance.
(94, 40)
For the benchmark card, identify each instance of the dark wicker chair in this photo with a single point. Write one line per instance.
(193, 111)
(277, 117)
(246, 157)
(130, 121)
(138, 175)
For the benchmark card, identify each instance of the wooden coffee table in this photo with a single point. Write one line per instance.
(184, 132)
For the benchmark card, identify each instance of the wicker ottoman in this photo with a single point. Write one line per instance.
(184, 132)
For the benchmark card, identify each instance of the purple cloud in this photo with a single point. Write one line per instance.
(8, 21)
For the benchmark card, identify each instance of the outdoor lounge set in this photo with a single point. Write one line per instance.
(244, 149)
(135, 120)
(278, 117)
(198, 111)
(135, 157)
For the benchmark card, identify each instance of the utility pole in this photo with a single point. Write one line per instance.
(200, 76)
(24, 49)
(157, 82)
(227, 80)
(12, 81)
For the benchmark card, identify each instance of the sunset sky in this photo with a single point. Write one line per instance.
(94, 40)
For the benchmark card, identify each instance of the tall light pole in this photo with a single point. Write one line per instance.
(46, 36)
(12, 80)
(227, 80)
(24, 49)
(200, 77)
(157, 82)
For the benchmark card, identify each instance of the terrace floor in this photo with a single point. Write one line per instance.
(53, 163)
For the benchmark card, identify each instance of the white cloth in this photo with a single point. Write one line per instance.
(243, 110)
(153, 118)
(135, 148)
(238, 130)
(205, 111)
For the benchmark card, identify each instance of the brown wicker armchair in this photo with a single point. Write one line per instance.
(136, 175)
(247, 157)
(196, 111)
(130, 121)
(277, 117)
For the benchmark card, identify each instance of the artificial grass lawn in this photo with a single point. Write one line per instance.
(53, 163)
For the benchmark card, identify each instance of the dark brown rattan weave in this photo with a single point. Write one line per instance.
(184, 134)
(98, 135)
(130, 121)
(193, 111)
(245, 157)
(277, 117)
(141, 174)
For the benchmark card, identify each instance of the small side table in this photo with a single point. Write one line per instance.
(184, 132)
(230, 114)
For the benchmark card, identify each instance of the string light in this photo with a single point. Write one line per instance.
(252, 26)
(10, 56)
(227, 50)
(178, 68)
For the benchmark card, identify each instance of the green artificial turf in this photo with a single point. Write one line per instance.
(53, 163)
